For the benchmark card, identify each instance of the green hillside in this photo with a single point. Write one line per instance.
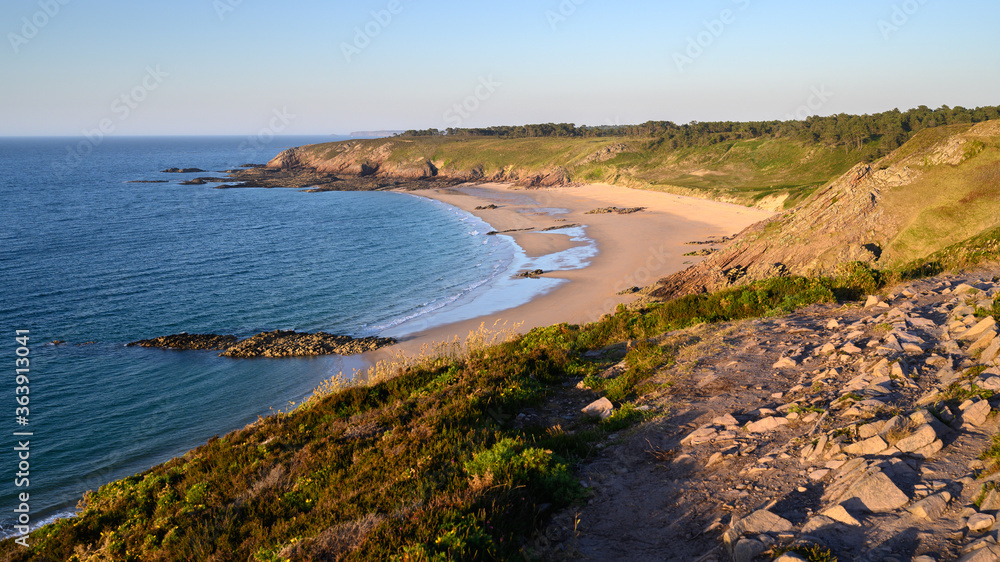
(744, 171)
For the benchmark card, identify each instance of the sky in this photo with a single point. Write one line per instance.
(204, 67)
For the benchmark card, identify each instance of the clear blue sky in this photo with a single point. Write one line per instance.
(230, 64)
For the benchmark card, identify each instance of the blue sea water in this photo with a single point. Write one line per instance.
(95, 261)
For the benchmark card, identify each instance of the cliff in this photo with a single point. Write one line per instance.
(940, 188)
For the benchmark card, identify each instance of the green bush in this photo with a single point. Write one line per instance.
(857, 279)
(511, 463)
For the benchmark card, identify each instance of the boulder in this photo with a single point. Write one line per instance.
(922, 437)
(929, 450)
(602, 409)
(931, 507)
(839, 513)
(977, 413)
(748, 549)
(991, 502)
(979, 330)
(989, 553)
(871, 446)
(726, 421)
(785, 363)
(982, 343)
(992, 352)
(981, 522)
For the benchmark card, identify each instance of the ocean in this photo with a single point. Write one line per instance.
(95, 261)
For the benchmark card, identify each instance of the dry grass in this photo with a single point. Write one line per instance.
(430, 356)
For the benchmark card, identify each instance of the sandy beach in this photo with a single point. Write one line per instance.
(634, 250)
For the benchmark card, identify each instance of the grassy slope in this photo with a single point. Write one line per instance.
(743, 171)
(427, 465)
(947, 203)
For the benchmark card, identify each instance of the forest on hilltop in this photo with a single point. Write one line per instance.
(876, 135)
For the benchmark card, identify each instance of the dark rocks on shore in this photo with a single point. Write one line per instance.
(487, 207)
(295, 344)
(702, 252)
(183, 171)
(559, 227)
(509, 230)
(203, 181)
(535, 274)
(616, 210)
(712, 240)
(188, 341)
(269, 344)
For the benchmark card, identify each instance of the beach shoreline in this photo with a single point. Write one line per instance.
(633, 250)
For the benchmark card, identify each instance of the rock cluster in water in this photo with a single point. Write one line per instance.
(278, 343)
(295, 344)
(188, 341)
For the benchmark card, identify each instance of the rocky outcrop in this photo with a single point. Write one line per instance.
(296, 344)
(607, 153)
(269, 344)
(183, 171)
(855, 218)
(359, 159)
(843, 223)
(616, 210)
(188, 342)
(857, 431)
(553, 177)
(203, 181)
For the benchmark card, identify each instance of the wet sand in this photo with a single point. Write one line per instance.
(634, 250)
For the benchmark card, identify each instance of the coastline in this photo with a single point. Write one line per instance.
(633, 250)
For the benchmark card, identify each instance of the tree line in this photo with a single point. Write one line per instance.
(874, 135)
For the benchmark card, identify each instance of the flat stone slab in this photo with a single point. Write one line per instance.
(877, 493)
(871, 446)
(764, 425)
(922, 437)
(762, 521)
(931, 507)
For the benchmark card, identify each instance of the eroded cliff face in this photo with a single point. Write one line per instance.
(845, 221)
(365, 159)
(354, 159)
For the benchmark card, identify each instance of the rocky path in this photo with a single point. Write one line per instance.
(855, 428)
